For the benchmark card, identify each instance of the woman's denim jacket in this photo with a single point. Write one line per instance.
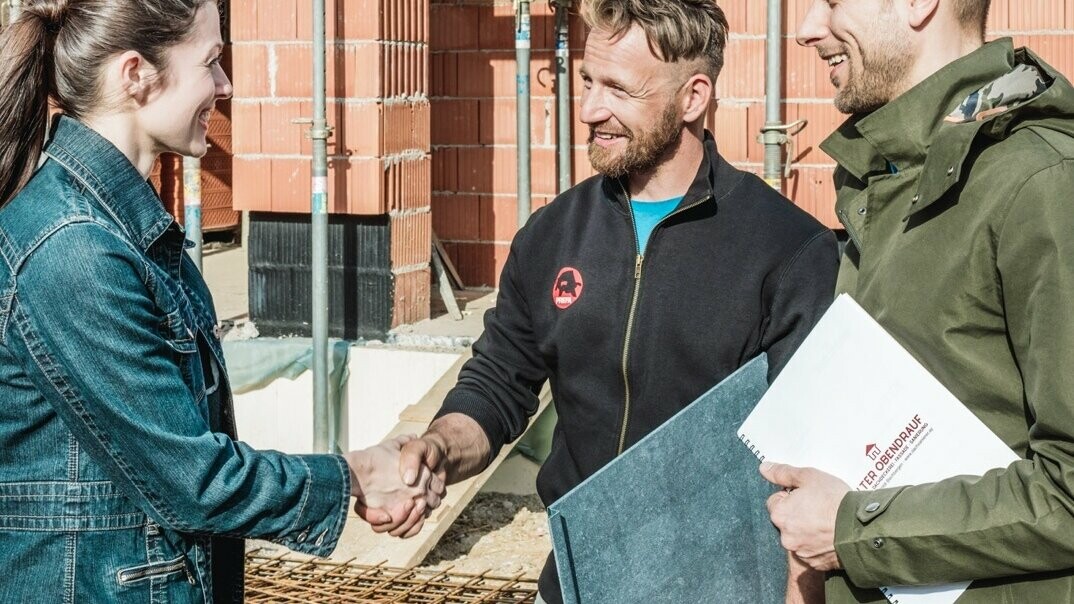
(120, 476)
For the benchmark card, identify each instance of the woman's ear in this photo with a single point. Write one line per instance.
(131, 76)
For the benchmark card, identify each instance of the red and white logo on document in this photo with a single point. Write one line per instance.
(567, 288)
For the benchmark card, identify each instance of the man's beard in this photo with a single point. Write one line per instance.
(884, 69)
(643, 151)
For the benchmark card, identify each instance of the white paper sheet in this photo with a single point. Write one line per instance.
(854, 403)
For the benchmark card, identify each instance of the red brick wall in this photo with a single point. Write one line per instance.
(474, 180)
(379, 163)
(472, 93)
(378, 105)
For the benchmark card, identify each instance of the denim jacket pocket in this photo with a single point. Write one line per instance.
(180, 335)
(146, 572)
(169, 565)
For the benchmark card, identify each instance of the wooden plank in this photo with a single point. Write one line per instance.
(444, 287)
(424, 410)
(439, 248)
(361, 544)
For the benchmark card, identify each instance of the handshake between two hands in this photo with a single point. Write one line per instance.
(398, 483)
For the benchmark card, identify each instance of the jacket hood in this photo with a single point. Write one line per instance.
(1031, 94)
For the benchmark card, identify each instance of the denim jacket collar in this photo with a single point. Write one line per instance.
(110, 177)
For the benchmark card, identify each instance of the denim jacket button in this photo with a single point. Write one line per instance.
(303, 536)
(320, 539)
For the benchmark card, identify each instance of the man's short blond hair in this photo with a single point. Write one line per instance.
(677, 30)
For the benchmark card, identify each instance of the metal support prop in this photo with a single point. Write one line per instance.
(324, 428)
(192, 206)
(522, 79)
(773, 144)
(775, 135)
(563, 92)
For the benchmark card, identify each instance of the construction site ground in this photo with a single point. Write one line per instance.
(503, 531)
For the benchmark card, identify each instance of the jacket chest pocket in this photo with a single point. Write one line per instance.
(180, 335)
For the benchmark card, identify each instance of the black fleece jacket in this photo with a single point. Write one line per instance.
(627, 337)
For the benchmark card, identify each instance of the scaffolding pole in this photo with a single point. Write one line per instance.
(773, 142)
(522, 78)
(777, 137)
(324, 439)
(563, 92)
(192, 207)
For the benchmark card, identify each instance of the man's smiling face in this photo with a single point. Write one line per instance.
(866, 45)
(630, 103)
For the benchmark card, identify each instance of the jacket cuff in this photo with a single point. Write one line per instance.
(479, 409)
(323, 511)
(867, 555)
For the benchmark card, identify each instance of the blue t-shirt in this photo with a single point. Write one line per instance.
(647, 214)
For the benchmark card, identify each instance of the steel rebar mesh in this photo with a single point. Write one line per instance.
(286, 579)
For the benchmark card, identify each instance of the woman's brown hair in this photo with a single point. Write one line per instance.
(53, 52)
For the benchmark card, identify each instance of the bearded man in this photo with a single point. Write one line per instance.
(683, 268)
(955, 180)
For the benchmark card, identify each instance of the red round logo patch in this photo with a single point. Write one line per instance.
(568, 287)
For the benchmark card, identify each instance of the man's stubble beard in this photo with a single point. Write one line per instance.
(643, 150)
(883, 73)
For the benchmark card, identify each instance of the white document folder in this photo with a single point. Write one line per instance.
(854, 403)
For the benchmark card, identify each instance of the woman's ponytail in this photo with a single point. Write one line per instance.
(53, 53)
(27, 77)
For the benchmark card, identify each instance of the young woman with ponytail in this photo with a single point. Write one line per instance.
(121, 479)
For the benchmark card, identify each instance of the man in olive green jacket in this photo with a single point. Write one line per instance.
(956, 187)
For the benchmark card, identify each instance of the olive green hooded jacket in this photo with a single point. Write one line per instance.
(958, 198)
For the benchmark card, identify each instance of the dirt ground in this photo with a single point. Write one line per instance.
(498, 533)
(501, 533)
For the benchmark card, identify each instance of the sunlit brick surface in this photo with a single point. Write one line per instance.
(422, 96)
(471, 62)
(378, 105)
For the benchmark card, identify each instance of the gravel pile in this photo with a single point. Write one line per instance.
(500, 533)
